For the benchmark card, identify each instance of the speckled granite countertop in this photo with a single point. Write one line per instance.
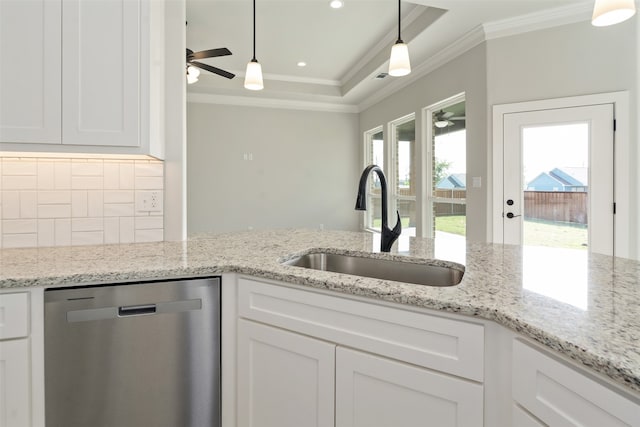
(585, 306)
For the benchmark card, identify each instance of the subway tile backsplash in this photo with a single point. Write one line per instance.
(60, 202)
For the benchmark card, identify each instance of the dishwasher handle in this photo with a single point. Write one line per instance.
(136, 310)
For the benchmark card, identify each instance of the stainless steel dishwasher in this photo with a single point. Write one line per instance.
(133, 355)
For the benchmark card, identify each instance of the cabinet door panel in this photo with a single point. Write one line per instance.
(376, 392)
(14, 315)
(101, 71)
(30, 67)
(561, 396)
(14, 384)
(521, 418)
(284, 379)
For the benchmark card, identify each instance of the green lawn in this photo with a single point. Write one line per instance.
(392, 221)
(452, 224)
(536, 232)
(554, 234)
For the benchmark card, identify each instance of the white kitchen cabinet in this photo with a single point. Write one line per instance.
(401, 368)
(89, 80)
(373, 391)
(559, 395)
(101, 72)
(30, 71)
(522, 418)
(284, 379)
(21, 359)
(15, 408)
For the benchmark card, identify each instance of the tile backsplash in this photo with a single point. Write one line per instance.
(70, 201)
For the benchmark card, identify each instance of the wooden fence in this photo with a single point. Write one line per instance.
(447, 209)
(559, 206)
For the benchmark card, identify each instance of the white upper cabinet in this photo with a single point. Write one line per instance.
(30, 68)
(101, 69)
(82, 76)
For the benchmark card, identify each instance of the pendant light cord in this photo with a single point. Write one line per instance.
(399, 38)
(254, 32)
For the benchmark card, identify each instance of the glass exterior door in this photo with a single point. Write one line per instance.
(558, 178)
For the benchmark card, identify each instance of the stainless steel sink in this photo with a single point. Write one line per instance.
(399, 271)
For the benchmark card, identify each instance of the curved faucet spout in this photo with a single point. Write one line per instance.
(387, 236)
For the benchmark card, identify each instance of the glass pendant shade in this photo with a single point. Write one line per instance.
(192, 74)
(399, 64)
(610, 12)
(253, 76)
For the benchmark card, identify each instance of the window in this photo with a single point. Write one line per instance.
(446, 203)
(400, 172)
(404, 174)
(374, 155)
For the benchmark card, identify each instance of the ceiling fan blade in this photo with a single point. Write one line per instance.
(458, 118)
(214, 70)
(447, 115)
(211, 53)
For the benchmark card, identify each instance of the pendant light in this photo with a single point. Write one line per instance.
(399, 64)
(610, 12)
(253, 76)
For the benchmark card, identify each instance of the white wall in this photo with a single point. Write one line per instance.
(303, 172)
(465, 73)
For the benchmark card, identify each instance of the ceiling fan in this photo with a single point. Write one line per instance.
(444, 119)
(192, 65)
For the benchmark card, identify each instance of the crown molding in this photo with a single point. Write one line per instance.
(563, 15)
(286, 104)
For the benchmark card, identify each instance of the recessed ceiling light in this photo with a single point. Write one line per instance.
(336, 4)
(302, 64)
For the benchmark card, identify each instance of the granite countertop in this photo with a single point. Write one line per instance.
(585, 306)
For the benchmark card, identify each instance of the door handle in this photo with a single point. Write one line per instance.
(511, 215)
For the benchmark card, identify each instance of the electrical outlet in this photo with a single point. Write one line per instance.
(149, 201)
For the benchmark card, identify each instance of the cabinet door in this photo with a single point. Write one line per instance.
(30, 67)
(521, 418)
(376, 392)
(561, 396)
(101, 72)
(15, 401)
(284, 379)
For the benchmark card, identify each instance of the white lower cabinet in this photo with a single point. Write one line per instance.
(559, 395)
(284, 379)
(373, 391)
(15, 394)
(21, 384)
(313, 360)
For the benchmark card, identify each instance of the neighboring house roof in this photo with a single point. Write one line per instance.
(455, 180)
(561, 179)
(574, 176)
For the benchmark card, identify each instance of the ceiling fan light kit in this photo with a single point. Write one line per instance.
(253, 76)
(192, 74)
(611, 12)
(194, 67)
(399, 63)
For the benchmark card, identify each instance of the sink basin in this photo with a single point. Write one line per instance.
(399, 271)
